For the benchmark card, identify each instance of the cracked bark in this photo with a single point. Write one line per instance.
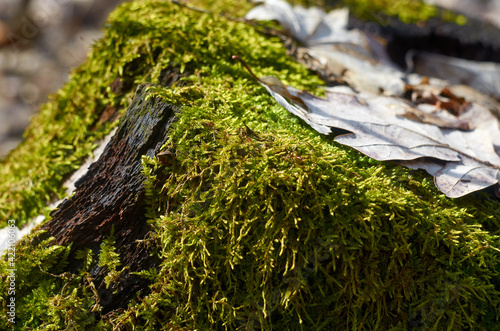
(111, 194)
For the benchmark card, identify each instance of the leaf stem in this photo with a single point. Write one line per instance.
(236, 57)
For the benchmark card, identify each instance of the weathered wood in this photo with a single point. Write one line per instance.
(111, 194)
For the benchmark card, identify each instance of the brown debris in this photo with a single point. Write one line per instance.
(111, 195)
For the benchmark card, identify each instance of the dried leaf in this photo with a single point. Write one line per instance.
(448, 130)
(483, 76)
(461, 161)
(360, 59)
(439, 118)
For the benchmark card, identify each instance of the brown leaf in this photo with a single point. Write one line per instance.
(438, 119)
(461, 161)
(277, 86)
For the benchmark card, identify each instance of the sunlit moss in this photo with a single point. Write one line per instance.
(260, 222)
(408, 11)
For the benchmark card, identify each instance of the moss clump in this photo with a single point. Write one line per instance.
(408, 11)
(260, 231)
(44, 293)
(260, 222)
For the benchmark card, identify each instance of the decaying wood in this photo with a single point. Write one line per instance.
(111, 194)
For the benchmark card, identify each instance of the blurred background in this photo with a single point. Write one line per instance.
(485, 10)
(42, 40)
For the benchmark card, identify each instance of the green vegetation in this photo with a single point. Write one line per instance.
(110, 259)
(408, 11)
(260, 222)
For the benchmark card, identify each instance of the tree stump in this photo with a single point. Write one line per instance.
(111, 195)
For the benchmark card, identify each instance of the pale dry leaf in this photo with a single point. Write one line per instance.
(482, 76)
(462, 161)
(310, 26)
(360, 59)
(448, 130)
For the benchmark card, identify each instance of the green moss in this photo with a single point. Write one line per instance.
(261, 231)
(110, 259)
(44, 293)
(260, 222)
(408, 11)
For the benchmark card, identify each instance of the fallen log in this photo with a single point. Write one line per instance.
(110, 197)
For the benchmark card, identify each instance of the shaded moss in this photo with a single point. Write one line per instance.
(46, 294)
(260, 222)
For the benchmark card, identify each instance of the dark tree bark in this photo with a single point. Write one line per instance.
(111, 194)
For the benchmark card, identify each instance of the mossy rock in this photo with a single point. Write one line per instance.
(260, 222)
